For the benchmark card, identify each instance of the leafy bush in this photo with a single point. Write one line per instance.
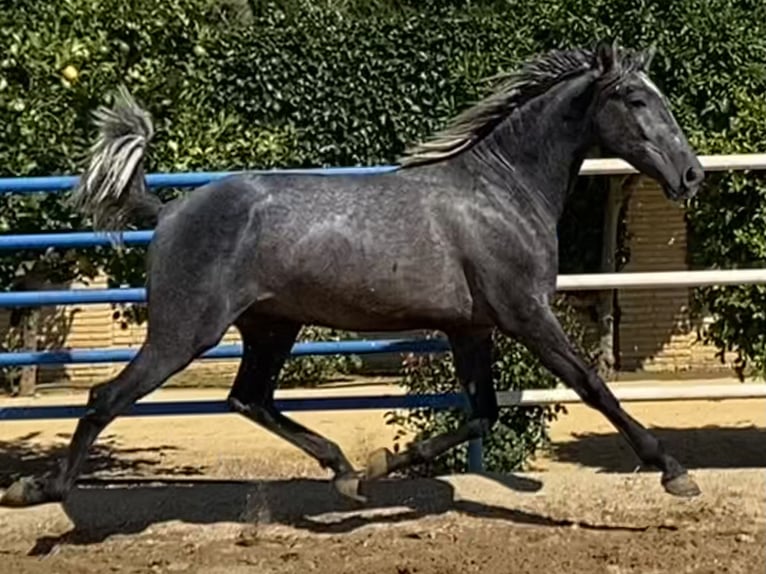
(312, 370)
(520, 431)
(728, 230)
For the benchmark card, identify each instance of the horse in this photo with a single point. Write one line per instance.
(460, 238)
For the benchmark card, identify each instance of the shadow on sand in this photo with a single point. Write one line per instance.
(102, 509)
(25, 456)
(696, 448)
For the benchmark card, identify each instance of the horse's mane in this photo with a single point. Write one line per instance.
(513, 89)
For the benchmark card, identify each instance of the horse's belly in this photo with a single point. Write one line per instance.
(385, 307)
(354, 281)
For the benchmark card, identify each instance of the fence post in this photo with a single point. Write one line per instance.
(475, 455)
(617, 195)
(29, 328)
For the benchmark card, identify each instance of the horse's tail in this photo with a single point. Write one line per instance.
(113, 187)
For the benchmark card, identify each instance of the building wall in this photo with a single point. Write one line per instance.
(655, 332)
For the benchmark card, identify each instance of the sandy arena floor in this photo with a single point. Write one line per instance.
(235, 499)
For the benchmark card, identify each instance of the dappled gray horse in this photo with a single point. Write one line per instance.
(461, 239)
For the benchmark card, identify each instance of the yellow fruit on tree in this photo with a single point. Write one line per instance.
(70, 73)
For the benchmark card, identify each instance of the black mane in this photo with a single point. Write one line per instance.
(513, 90)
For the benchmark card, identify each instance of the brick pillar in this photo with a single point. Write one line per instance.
(654, 323)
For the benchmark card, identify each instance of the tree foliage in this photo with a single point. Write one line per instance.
(728, 231)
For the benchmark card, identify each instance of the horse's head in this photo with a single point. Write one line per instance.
(633, 121)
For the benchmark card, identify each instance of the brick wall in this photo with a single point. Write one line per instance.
(86, 327)
(655, 332)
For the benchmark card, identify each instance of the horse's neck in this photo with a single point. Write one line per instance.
(539, 149)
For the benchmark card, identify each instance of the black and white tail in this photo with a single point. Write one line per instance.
(113, 187)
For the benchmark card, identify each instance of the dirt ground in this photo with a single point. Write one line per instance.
(214, 494)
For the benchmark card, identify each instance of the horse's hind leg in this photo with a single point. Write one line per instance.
(266, 347)
(472, 353)
(167, 350)
(146, 372)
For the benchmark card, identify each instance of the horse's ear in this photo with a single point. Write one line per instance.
(646, 58)
(606, 57)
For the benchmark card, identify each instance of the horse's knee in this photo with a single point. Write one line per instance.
(255, 412)
(597, 395)
(481, 426)
(103, 402)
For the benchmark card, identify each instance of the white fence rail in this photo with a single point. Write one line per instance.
(660, 279)
(731, 162)
(637, 394)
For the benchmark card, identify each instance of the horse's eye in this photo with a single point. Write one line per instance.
(635, 103)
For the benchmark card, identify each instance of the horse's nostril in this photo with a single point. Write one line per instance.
(693, 176)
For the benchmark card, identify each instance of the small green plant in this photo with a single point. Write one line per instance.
(520, 431)
(312, 370)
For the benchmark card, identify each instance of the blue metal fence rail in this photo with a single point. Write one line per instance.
(219, 407)
(73, 239)
(56, 183)
(234, 351)
(72, 297)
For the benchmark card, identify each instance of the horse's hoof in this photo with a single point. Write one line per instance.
(378, 464)
(348, 486)
(681, 485)
(26, 491)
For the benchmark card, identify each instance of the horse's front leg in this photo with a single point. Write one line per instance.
(472, 353)
(536, 326)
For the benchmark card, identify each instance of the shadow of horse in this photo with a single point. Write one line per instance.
(703, 447)
(99, 510)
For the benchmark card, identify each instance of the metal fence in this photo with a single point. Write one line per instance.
(606, 167)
